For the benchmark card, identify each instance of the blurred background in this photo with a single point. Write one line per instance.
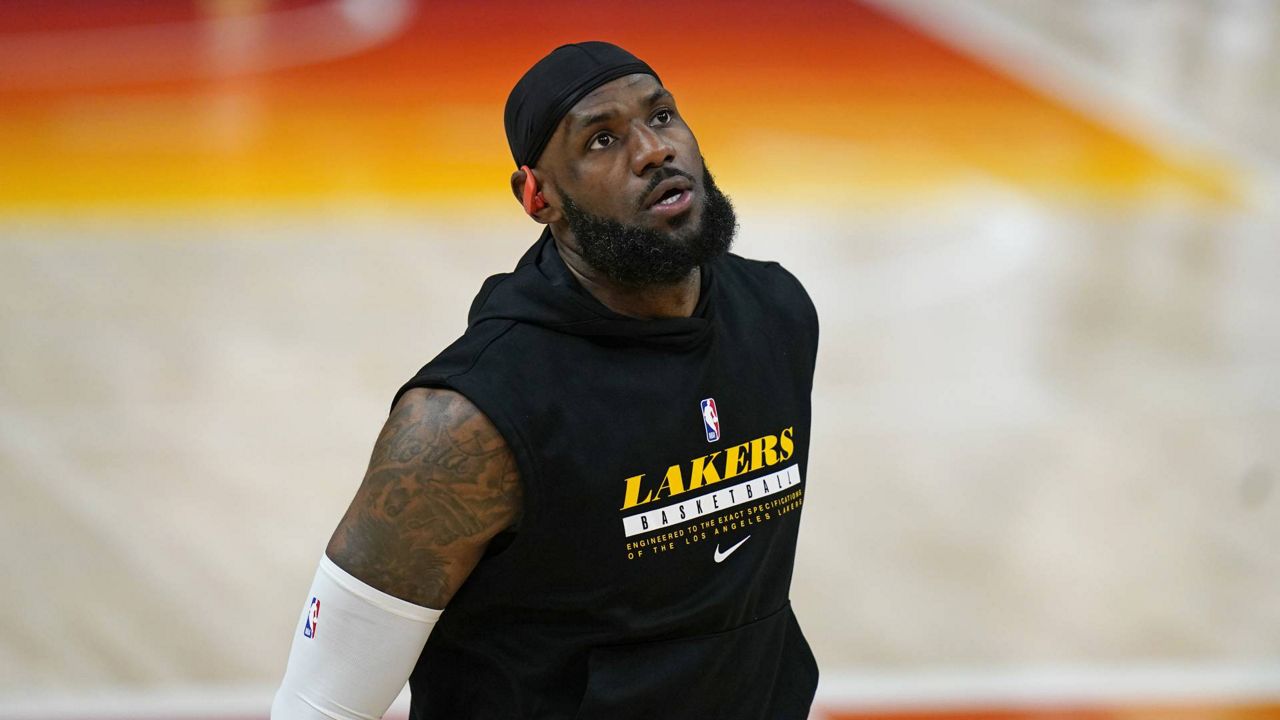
(1043, 237)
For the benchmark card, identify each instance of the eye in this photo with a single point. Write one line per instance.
(662, 117)
(601, 141)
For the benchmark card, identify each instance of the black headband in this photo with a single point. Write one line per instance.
(554, 85)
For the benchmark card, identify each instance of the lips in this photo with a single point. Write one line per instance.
(670, 186)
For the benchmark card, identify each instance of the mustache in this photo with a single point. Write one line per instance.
(659, 175)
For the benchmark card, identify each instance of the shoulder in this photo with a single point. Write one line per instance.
(441, 403)
(439, 434)
(425, 410)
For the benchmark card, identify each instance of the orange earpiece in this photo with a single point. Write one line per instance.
(533, 200)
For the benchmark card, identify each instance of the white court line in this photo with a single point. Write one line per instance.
(838, 689)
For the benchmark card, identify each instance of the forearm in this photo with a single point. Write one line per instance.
(353, 650)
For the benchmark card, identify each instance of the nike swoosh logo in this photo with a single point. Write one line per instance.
(720, 556)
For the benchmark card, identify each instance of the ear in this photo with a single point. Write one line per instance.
(526, 187)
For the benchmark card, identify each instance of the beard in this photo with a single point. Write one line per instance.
(638, 257)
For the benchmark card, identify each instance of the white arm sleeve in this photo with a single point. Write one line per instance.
(353, 650)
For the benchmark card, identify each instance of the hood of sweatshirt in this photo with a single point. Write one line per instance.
(542, 291)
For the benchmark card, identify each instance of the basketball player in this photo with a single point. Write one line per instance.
(587, 506)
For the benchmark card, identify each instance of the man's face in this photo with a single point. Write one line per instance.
(630, 179)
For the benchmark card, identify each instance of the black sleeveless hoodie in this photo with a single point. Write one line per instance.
(664, 465)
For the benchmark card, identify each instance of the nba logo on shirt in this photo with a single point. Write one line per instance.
(711, 419)
(313, 618)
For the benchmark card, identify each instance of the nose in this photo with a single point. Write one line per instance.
(649, 149)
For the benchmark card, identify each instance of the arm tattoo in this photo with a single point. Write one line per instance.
(441, 483)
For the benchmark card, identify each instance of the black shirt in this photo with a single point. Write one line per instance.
(664, 465)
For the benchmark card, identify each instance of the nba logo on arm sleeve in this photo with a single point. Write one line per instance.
(711, 419)
(313, 618)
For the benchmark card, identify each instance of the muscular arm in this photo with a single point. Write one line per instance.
(441, 483)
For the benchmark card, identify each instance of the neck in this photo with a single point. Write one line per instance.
(677, 300)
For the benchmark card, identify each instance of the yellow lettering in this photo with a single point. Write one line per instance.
(788, 447)
(763, 453)
(737, 460)
(704, 471)
(632, 498)
(673, 483)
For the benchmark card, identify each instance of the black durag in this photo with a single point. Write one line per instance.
(554, 85)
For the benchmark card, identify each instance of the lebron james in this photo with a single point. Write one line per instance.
(586, 506)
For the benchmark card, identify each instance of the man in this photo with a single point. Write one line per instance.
(601, 480)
